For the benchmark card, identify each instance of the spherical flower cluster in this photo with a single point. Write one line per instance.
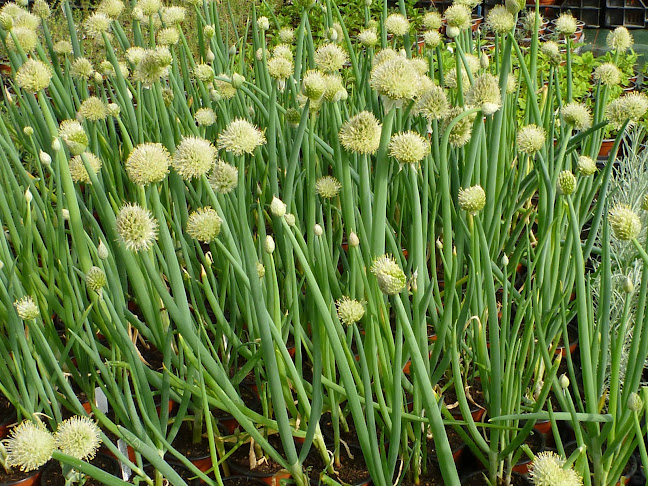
(225, 88)
(78, 437)
(408, 147)
(391, 278)
(565, 24)
(397, 24)
(630, 107)
(263, 23)
(240, 137)
(92, 109)
(432, 38)
(96, 25)
(450, 78)
(78, 171)
(432, 104)
(485, 93)
(148, 163)
(361, 133)
(153, 65)
(27, 308)
(625, 223)
(204, 224)
(41, 9)
(286, 34)
(30, 446)
(111, 8)
(500, 20)
(283, 50)
(531, 139)
(74, 136)
(96, 279)
(204, 73)
(462, 130)
(566, 182)
(349, 310)
(136, 227)
(397, 79)
(313, 85)
(82, 68)
(330, 58)
(327, 187)
(586, 165)
(33, 76)
(280, 68)
(368, 37)
(577, 114)
(26, 37)
(63, 47)
(149, 7)
(635, 403)
(205, 117)
(335, 90)
(173, 15)
(458, 16)
(224, 177)
(168, 36)
(472, 199)
(551, 50)
(193, 157)
(432, 20)
(608, 74)
(547, 470)
(528, 20)
(619, 39)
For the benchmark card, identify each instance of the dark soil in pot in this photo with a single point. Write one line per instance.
(352, 469)
(475, 397)
(431, 477)
(197, 453)
(53, 474)
(241, 481)
(478, 479)
(7, 415)
(18, 477)
(239, 461)
(227, 424)
(456, 445)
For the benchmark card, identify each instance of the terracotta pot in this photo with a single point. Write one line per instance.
(572, 345)
(32, 480)
(271, 479)
(524, 464)
(476, 22)
(53, 474)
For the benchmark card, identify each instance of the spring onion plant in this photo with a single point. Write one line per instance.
(347, 222)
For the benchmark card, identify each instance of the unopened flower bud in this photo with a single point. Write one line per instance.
(628, 286)
(209, 31)
(625, 223)
(318, 230)
(290, 219)
(484, 61)
(102, 251)
(56, 145)
(209, 57)
(269, 246)
(28, 196)
(635, 403)
(354, 241)
(66, 214)
(237, 80)
(452, 31)
(505, 260)
(260, 270)
(44, 158)
(564, 381)
(29, 131)
(232, 50)
(277, 207)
